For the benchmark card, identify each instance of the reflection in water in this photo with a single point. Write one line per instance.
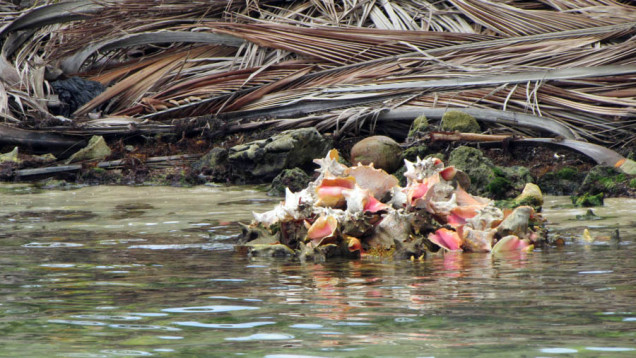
(164, 282)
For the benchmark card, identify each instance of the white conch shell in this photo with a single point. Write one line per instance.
(330, 164)
(421, 169)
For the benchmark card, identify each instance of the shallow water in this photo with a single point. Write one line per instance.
(150, 271)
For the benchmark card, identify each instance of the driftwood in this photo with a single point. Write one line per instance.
(39, 141)
(112, 164)
(601, 155)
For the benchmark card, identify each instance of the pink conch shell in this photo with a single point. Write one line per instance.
(374, 205)
(512, 243)
(459, 214)
(465, 199)
(447, 239)
(377, 181)
(448, 173)
(323, 228)
(329, 191)
(361, 200)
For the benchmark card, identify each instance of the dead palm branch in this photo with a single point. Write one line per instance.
(336, 65)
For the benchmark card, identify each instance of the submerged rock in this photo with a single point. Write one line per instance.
(264, 159)
(459, 121)
(384, 152)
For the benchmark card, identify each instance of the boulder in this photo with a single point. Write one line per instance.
(472, 162)
(295, 179)
(383, 152)
(264, 159)
(459, 121)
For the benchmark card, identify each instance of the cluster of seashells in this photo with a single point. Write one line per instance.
(361, 210)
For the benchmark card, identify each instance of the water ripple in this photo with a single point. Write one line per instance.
(51, 244)
(208, 309)
(223, 325)
(262, 337)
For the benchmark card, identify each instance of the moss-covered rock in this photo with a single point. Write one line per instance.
(419, 126)
(412, 153)
(295, 179)
(588, 200)
(96, 149)
(479, 168)
(263, 160)
(11, 156)
(604, 179)
(213, 159)
(530, 196)
(459, 121)
(384, 152)
(517, 175)
(565, 181)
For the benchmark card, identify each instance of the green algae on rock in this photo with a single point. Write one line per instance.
(453, 121)
(419, 126)
(266, 158)
(96, 149)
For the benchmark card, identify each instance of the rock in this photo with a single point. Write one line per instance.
(588, 200)
(628, 167)
(562, 182)
(479, 168)
(530, 196)
(96, 149)
(603, 179)
(295, 179)
(412, 153)
(11, 156)
(383, 152)
(275, 250)
(213, 159)
(419, 126)
(264, 159)
(73, 93)
(459, 121)
(519, 176)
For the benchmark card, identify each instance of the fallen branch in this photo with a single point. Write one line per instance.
(112, 164)
(37, 140)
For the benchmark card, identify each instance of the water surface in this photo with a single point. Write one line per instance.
(151, 271)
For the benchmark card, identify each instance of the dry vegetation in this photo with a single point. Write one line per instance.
(343, 66)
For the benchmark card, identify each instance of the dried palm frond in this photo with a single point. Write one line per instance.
(336, 65)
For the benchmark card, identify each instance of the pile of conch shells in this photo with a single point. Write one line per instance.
(360, 210)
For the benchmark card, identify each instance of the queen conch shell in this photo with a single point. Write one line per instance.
(377, 181)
